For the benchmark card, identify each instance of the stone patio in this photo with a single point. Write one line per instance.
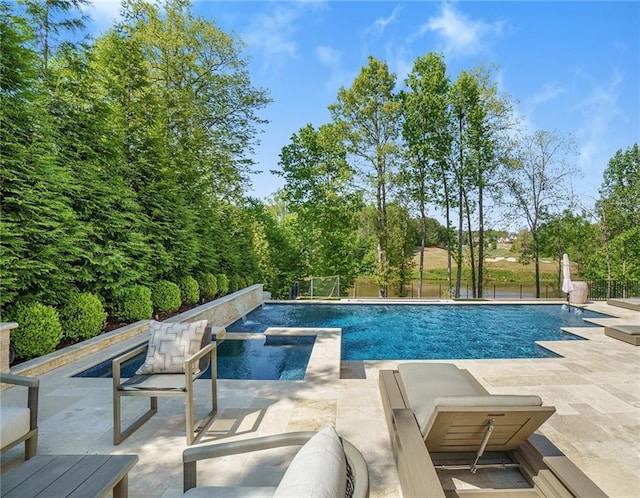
(595, 388)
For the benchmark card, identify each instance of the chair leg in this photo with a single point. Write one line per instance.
(120, 435)
(31, 446)
(194, 429)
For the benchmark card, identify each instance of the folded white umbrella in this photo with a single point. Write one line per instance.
(567, 285)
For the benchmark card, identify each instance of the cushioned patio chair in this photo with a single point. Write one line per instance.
(20, 423)
(326, 465)
(436, 412)
(177, 355)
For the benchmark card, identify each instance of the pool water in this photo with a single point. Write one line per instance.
(408, 331)
(271, 358)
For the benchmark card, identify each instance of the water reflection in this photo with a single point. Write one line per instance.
(436, 289)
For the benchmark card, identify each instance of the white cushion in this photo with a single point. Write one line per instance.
(170, 344)
(230, 492)
(424, 382)
(318, 470)
(429, 385)
(14, 423)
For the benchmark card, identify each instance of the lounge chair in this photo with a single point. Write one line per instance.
(441, 419)
(20, 423)
(326, 465)
(177, 355)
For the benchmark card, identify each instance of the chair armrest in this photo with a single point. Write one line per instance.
(192, 455)
(358, 467)
(33, 384)
(19, 380)
(190, 362)
(117, 362)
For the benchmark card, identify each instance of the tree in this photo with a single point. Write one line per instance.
(538, 183)
(427, 135)
(370, 111)
(51, 18)
(39, 230)
(618, 214)
(567, 233)
(319, 191)
(483, 119)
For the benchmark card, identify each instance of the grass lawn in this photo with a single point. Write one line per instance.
(501, 265)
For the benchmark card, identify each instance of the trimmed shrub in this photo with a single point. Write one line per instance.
(83, 317)
(223, 284)
(39, 330)
(242, 283)
(234, 283)
(189, 290)
(133, 303)
(208, 285)
(166, 296)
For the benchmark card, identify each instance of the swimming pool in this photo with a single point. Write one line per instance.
(270, 358)
(434, 331)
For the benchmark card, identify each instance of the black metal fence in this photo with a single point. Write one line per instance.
(603, 289)
(438, 290)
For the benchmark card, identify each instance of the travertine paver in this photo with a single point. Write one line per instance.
(595, 388)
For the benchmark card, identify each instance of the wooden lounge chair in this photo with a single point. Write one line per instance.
(441, 419)
(325, 465)
(167, 384)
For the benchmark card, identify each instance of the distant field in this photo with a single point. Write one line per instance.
(500, 265)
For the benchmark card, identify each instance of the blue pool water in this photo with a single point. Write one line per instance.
(407, 331)
(271, 358)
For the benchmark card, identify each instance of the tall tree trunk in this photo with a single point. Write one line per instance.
(471, 248)
(448, 225)
(536, 257)
(382, 229)
(480, 237)
(459, 249)
(423, 236)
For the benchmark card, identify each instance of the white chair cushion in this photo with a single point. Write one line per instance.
(14, 423)
(318, 470)
(230, 492)
(424, 382)
(429, 385)
(170, 344)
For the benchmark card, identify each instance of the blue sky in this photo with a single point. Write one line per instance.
(570, 66)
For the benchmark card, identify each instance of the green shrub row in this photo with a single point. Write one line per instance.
(42, 327)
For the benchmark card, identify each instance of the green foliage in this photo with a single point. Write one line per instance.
(83, 317)
(234, 283)
(189, 290)
(39, 330)
(372, 104)
(166, 296)
(208, 285)
(133, 303)
(223, 284)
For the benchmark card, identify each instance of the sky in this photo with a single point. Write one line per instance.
(570, 66)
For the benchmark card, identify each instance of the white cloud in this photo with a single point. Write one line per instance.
(380, 24)
(103, 13)
(337, 77)
(274, 32)
(598, 110)
(546, 94)
(458, 34)
(328, 56)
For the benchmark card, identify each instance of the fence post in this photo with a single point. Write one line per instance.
(520, 291)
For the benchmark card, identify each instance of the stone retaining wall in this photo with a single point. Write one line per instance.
(220, 312)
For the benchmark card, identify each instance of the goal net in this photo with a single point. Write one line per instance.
(324, 287)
